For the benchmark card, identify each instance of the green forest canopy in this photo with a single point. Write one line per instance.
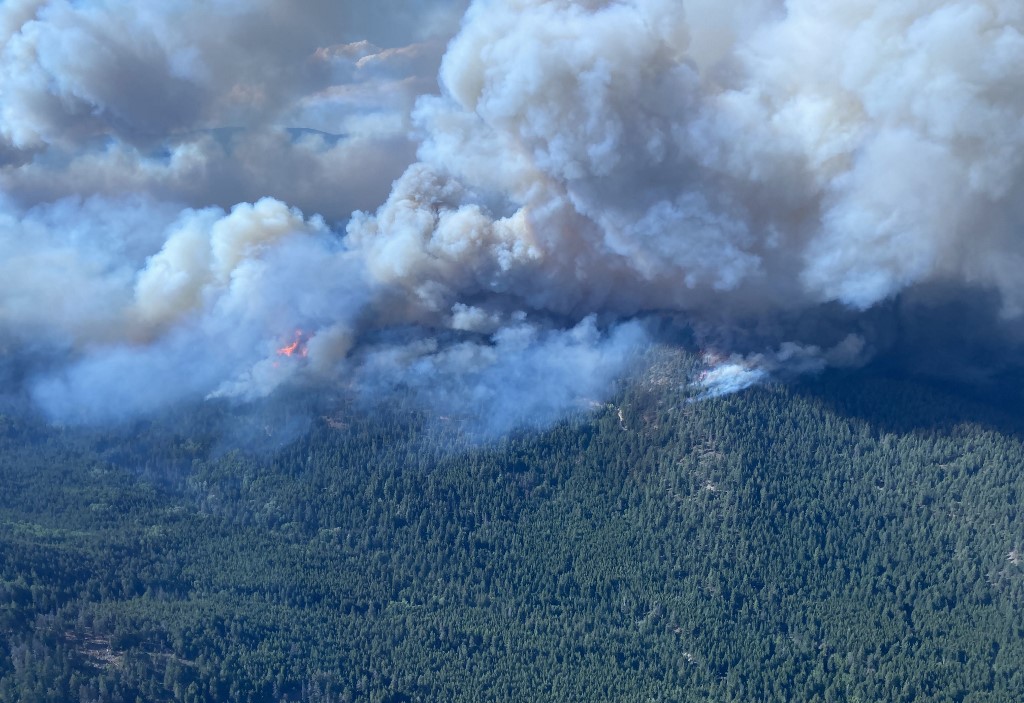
(840, 539)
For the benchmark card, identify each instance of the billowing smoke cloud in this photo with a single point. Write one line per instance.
(207, 313)
(797, 184)
(214, 102)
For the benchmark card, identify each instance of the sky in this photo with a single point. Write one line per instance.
(495, 206)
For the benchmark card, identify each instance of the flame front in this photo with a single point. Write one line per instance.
(297, 346)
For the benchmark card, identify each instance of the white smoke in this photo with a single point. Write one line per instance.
(725, 375)
(827, 154)
(775, 174)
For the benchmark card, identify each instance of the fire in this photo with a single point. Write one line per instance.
(297, 346)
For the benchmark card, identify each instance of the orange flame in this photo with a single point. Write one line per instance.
(298, 346)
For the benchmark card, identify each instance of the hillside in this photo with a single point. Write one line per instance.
(848, 538)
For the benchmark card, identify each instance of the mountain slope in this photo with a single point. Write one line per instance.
(848, 538)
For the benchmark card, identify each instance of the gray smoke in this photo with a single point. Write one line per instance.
(214, 102)
(798, 185)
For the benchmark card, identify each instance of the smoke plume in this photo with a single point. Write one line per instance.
(496, 216)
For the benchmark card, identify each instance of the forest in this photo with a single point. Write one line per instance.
(845, 537)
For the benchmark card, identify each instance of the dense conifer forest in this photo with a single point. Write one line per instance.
(845, 538)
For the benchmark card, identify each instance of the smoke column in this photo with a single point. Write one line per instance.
(798, 184)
